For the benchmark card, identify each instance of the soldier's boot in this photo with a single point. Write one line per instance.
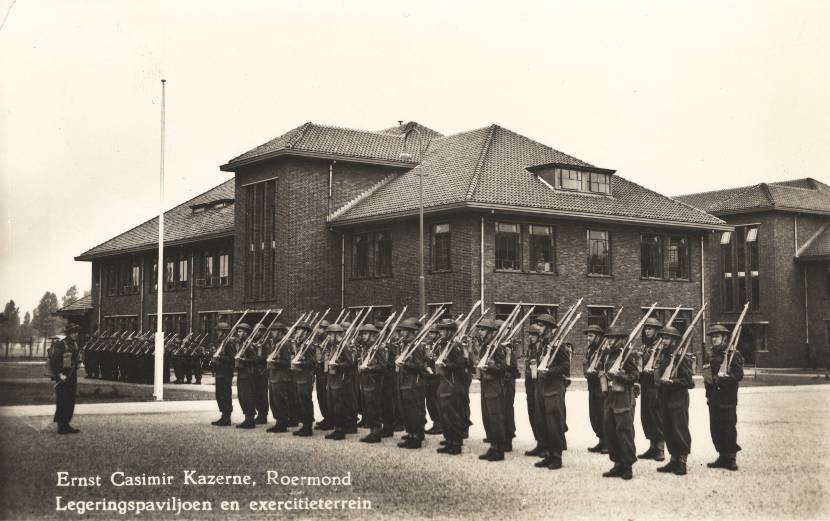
(336, 435)
(324, 425)
(544, 462)
(729, 462)
(352, 429)
(406, 436)
(626, 473)
(330, 435)
(668, 467)
(443, 443)
(65, 428)
(398, 427)
(660, 454)
(280, 426)
(372, 437)
(718, 463)
(305, 431)
(444, 448)
(615, 472)
(293, 422)
(454, 448)
(598, 447)
(555, 461)
(261, 419)
(387, 432)
(486, 455)
(680, 468)
(224, 421)
(363, 423)
(247, 424)
(536, 451)
(497, 455)
(435, 429)
(651, 452)
(414, 442)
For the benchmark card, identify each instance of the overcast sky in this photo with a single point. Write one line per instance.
(677, 96)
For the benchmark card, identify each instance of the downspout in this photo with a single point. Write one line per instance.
(342, 270)
(141, 296)
(703, 295)
(192, 284)
(481, 257)
(100, 281)
(806, 310)
(331, 177)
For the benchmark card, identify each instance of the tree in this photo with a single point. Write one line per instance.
(26, 327)
(44, 322)
(70, 296)
(9, 328)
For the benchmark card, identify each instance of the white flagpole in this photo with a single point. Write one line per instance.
(158, 381)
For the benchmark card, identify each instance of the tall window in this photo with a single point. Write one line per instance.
(169, 274)
(383, 254)
(208, 270)
(541, 248)
(183, 273)
(599, 252)
(112, 280)
(260, 239)
(507, 247)
(754, 267)
(155, 277)
(651, 256)
(441, 247)
(360, 255)
(135, 277)
(679, 258)
(601, 316)
(224, 269)
(740, 263)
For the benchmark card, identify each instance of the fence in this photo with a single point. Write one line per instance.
(25, 349)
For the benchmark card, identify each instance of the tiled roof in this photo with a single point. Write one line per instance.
(817, 247)
(180, 224)
(384, 145)
(805, 195)
(489, 167)
(81, 304)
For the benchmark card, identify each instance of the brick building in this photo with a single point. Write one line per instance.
(328, 217)
(778, 259)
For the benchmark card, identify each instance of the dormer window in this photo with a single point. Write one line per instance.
(569, 178)
(211, 205)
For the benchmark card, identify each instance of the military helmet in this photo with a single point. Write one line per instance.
(304, 325)
(718, 329)
(244, 326)
(670, 331)
(368, 328)
(223, 326)
(652, 322)
(410, 323)
(324, 324)
(379, 325)
(616, 331)
(345, 325)
(499, 322)
(593, 328)
(546, 319)
(535, 329)
(334, 328)
(72, 328)
(279, 326)
(447, 323)
(487, 324)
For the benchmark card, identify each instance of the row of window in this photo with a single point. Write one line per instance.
(576, 180)
(213, 271)
(740, 268)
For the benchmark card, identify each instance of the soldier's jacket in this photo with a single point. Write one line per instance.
(649, 345)
(675, 392)
(283, 359)
(534, 353)
(63, 358)
(560, 366)
(455, 364)
(592, 379)
(379, 361)
(723, 392)
(343, 368)
(620, 395)
(511, 358)
(417, 361)
(393, 350)
(496, 364)
(309, 358)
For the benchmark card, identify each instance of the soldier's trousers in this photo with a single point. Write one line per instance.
(413, 398)
(650, 413)
(674, 413)
(359, 407)
(722, 427)
(550, 413)
(322, 393)
(280, 388)
(371, 387)
(261, 390)
(619, 433)
(509, 410)
(223, 391)
(451, 403)
(530, 394)
(388, 400)
(432, 383)
(342, 402)
(246, 392)
(293, 406)
(196, 367)
(178, 368)
(65, 393)
(493, 409)
(304, 384)
(596, 406)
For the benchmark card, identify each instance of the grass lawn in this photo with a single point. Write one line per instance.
(96, 391)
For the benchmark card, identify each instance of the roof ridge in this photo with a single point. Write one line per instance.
(548, 147)
(714, 191)
(738, 194)
(691, 207)
(142, 223)
(812, 239)
(485, 148)
(767, 193)
(299, 135)
(360, 197)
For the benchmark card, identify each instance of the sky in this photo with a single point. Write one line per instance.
(677, 96)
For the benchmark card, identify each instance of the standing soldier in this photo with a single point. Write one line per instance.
(389, 393)
(180, 368)
(510, 376)
(531, 363)
(63, 365)
(342, 400)
(246, 365)
(551, 404)
(90, 362)
(596, 397)
(546, 325)
(432, 380)
(303, 378)
(195, 356)
(223, 374)
(618, 416)
(412, 386)
(261, 377)
(493, 392)
(371, 382)
(649, 405)
(673, 393)
(279, 379)
(722, 399)
(452, 390)
(322, 351)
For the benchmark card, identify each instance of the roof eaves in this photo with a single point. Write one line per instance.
(86, 256)
(480, 163)
(233, 167)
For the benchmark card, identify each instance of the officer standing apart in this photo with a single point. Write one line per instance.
(63, 364)
(722, 398)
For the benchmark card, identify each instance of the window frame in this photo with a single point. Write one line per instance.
(684, 239)
(518, 246)
(377, 254)
(738, 278)
(435, 236)
(551, 244)
(609, 253)
(660, 271)
(367, 261)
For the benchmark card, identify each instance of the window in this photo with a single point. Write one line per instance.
(208, 271)
(360, 256)
(740, 260)
(112, 280)
(678, 258)
(601, 316)
(651, 256)
(447, 313)
(224, 269)
(600, 183)
(260, 239)
(441, 247)
(134, 278)
(383, 254)
(681, 321)
(574, 180)
(169, 275)
(599, 253)
(155, 277)
(182, 273)
(541, 248)
(208, 325)
(507, 247)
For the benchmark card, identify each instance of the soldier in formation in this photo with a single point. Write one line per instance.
(673, 384)
(649, 404)
(721, 379)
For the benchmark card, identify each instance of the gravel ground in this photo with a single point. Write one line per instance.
(784, 466)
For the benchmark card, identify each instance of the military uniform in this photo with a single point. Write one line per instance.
(596, 396)
(63, 363)
(247, 365)
(649, 404)
(303, 373)
(432, 381)
(280, 379)
(223, 375)
(618, 414)
(550, 406)
(453, 401)
(321, 377)
(91, 367)
(722, 399)
(510, 375)
(412, 388)
(532, 356)
(673, 394)
(493, 395)
(195, 355)
(371, 378)
(341, 388)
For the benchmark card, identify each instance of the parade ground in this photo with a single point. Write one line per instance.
(783, 467)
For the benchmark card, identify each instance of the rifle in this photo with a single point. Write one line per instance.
(462, 328)
(198, 343)
(339, 348)
(352, 337)
(273, 355)
(626, 350)
(671, 370)
(733, 343)
(89, 341)
(250, 338)
(116, 345)
(370, 353)
(555, 341)
(97, 340)
(658, 348)
(491, 347)
(228, 336)
(132, 343)
(407, 352)
(182, 346)
(559, 340)
(592, 365)
(298, 356)
(104, 340)
(514, 329)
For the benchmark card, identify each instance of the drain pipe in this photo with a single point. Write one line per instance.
(481, 256)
